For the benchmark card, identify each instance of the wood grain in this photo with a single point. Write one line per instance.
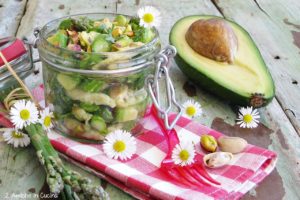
(266, 23)
(11, 13)
(273, 115)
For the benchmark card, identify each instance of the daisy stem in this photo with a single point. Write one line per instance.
(70, 183)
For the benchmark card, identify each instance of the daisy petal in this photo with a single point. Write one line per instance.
(149, 17)
(248, 117)
(23, 113)
(119, 145)
(183, 154)
(16, 138)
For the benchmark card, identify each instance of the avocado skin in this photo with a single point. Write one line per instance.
(215, 88)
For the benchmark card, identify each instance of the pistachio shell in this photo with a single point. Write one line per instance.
(232, 144)
(217, 159)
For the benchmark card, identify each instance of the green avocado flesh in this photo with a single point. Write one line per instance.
(246, 81)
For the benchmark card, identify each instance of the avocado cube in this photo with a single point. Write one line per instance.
(126, 114)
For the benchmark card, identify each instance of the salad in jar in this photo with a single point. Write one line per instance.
(94, 72)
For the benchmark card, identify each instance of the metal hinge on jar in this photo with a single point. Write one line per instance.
(153, 85)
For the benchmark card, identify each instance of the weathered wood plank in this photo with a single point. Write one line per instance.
(278, 40)
(11, 13)
(285, 14)
(20, 171)
(276, 132)
(38, 13)
(273, 116)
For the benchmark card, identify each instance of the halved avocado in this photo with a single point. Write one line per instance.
(246, 81)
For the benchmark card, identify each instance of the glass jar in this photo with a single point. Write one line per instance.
(92, 94)
(21, 61)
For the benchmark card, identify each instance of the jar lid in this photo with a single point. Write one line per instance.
(11, 48)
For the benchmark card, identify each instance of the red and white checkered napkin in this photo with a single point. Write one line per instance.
(141, 177)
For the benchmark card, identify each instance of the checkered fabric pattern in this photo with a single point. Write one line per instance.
(141, 176)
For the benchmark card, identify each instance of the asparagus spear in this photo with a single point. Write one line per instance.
(69, 184)
(59, 178)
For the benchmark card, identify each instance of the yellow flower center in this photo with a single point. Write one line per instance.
(247, 118)
(148, 18)
(184, 155)
(16, 134)
(47, 121)
(25, 114)
(191, 111)
(119, 146)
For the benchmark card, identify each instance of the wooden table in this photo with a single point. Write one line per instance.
(273, 24)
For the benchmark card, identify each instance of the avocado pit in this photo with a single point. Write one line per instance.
(213, 38)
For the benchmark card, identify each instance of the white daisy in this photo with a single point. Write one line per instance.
(183, 153)
(119, 144)
(16, 138)
(23, 113)
(149, 16)
(46, 119)
(192, 109)
(248, 117)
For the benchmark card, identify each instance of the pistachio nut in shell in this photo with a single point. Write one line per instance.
(209, 143)
(232, 144)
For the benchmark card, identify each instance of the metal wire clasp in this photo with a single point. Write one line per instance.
(153, 85)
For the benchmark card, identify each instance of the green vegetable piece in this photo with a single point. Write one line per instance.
(102, 26)
(66, 24)
(132, 98)
(59, 39)
(134, 22)
(68, 82)
(74, 125)
(123, 42)
(121, 20)
(101, 45)
(98, 123)
(83, 24)
(147, 36)
(106, 114)
(126, 114)
(94, 98)
(118, 91)
(92, 86)
(134, 27)
(86, 38)
(89, 60)
(60, 178)
(81, 114)
(89, 107)
(110, 38)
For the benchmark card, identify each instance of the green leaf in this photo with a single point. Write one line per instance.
(89, 107)
(67, 24)
(92, 85)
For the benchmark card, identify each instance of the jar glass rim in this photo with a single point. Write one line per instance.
(43, 36)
